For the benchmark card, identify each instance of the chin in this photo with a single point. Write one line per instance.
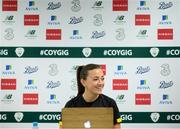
(99, 92)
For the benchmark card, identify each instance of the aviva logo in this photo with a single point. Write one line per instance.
(31, 3)
(30, 82)
(142, 3)
(53, 18)
(143, 82)
(52, 97)
(165, 97)
(8, 67)
(164, 17)
(120, 67)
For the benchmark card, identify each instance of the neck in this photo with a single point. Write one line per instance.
(89, 98)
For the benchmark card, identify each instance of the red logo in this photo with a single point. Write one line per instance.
(166, 34)
(103, 67)
(53, 34)
(8, 84)
(120, 84)
(31, 20)
(30, 98)
(142, 19)
(9, 5)
(143, 99)
(120, 5)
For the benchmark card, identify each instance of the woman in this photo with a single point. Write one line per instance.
(90, 80)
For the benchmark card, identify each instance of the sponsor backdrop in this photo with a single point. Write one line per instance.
(135, 41)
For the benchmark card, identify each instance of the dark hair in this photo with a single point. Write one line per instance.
(82, 73)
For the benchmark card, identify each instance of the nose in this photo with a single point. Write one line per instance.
(101, 81)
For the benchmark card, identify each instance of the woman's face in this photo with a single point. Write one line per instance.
(94, 82)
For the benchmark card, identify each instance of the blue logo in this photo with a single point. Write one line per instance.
(31, 6)
(165, 20)
(120, 70)
(119, 67)
(143, 85)
(75, 32)
(30, 85)
(143, 6)
(76, 35)
(52, 97)
(164, 17)
(30, 82)
(8, 67)
(53, 21)
(142, 3)
(31, 3)
(142, 82)
(35, 125)
(53, 18)
(8, 70)
(165, 97)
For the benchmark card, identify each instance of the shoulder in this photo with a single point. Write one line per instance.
(108, 99)
(73, 101)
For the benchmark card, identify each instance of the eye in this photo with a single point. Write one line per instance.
(95, 79)
(102, 78)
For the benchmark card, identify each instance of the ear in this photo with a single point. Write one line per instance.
(83, 82)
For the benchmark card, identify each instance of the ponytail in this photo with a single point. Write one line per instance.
(79, 84)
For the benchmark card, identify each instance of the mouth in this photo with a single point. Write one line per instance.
(99, 88)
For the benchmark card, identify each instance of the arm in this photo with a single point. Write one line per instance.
(117, 118)
(117, 126)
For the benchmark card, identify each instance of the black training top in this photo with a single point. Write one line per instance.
(101, 101)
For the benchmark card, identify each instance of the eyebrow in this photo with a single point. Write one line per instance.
(97, 77)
